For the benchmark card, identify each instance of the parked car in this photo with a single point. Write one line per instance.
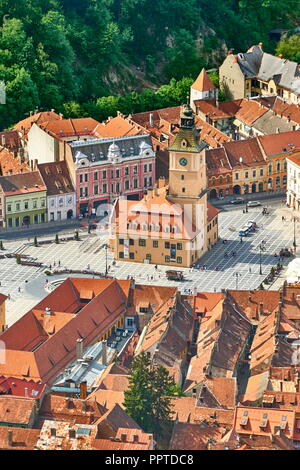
(238, 200)
(254, 204)
(244, 231)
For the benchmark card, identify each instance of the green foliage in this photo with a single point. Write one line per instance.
(289, 48)
(148, 399)
(77, 55)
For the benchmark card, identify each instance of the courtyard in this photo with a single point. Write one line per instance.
(26, 284)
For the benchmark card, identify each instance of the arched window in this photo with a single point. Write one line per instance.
(167, 229)
(270, 168)
(220, 180)
(278, 166)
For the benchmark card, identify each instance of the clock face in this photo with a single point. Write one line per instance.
(183, 161)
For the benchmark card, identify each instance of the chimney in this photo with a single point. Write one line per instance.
(10, 437)
(83, 390)
(79, 348)
(280, 56)
(217, 103)
(261, 308)
(260, 44)
(52, 110)
(104, 352)
(136, 438)
(277, 130)
(48, 311)
(3, 140)
(151, 120)
(61, 116)
(123, 437)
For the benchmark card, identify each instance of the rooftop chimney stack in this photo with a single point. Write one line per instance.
(48, 311)
(79, 348)
(151, 120)
(83, 390)
(104, 352)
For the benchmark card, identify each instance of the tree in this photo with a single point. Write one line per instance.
(56, 239)
(35, 242)
(148, 399)
(289, 48)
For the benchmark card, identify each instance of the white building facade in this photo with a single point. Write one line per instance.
(293, 181)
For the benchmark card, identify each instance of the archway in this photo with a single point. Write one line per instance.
(260, 187)
(253, 188)
(26, 220)
(213, 194)
(69, 214)
(236, 189)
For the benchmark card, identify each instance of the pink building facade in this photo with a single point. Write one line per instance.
(109, 168)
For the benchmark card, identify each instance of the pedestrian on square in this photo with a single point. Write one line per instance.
(250, 270)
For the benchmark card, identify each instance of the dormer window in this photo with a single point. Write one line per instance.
(183, 143)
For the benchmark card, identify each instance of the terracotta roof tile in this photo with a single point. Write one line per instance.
(203, 82)
(57, 178)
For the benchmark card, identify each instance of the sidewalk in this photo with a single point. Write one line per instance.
(55, 226)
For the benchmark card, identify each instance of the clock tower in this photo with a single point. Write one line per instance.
(187, 171)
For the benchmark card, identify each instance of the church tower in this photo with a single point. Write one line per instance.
(203, 89)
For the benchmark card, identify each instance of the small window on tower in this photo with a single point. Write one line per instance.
(183, 143)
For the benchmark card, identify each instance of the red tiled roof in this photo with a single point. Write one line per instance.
(2, 298)
(212, 212)
(71, 127)
(56, 177)
(24, 126)
(247, 150)
(16, 410)
(278, 144)
(11, 164)
(203, 82)
(22, 439)
(21, 388)
(22, 183)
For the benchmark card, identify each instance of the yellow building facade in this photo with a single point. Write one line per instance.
(171, 225)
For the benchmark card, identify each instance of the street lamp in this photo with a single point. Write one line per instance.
(261, 248)
(106, 267)
(237, 275)
(245, 195)
(294, 242)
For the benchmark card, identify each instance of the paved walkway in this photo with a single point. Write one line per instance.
(26, 284)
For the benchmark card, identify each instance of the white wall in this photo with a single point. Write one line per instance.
(61, 203)
(41, 146)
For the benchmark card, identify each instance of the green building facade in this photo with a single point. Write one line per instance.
(24, 209)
